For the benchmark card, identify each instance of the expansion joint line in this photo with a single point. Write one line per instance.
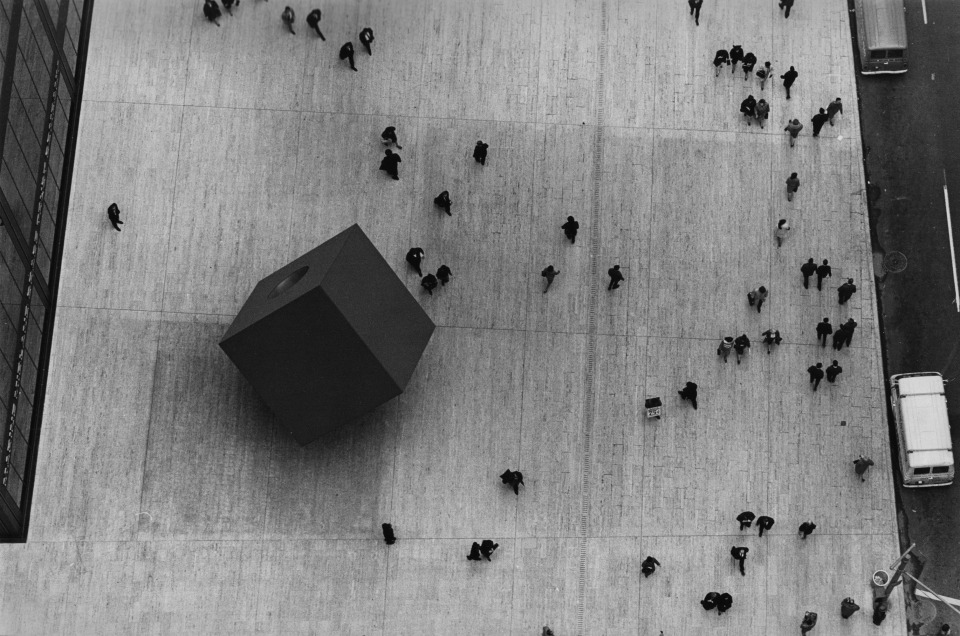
(589, 393)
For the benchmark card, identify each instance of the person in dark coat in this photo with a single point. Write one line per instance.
(313, 21)
(806, 528)
(793, 184)
(793, 127)
(429, 283)
(771, 337)
(514, 479)
(833, 371)
(616, 277)
(721, 58)
(689, 392)
(816, 374)
(724, 602)
(695, 10)
(788, 79)
(879, 609)
(818, 121)
(745, 518)
(824, 329)
(212, 11)
(809, 622)
(749, 61)
(808, 269)
(823, 271)
(740, 345)
(848, 328)
(474, 552)
(366, 39)
(749, 108)
(649, 566)
(388, 535)
(389, 136)
(709, 601)
(389, 164)
(838, 337)
(736, 55)
(764, 523)
(487, 547)
(113, 213)
(786, 4)
(228, 5)
(288, 17)
(549, 273)
(833, 108)
(848, 607)
(860, 465)
(443, 200)
(444, 274)
(415, 257)
(570, 229)
(740, 554)
(846, 291)
(480, 153)
(346, 53)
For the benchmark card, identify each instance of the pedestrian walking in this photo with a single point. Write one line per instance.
(736, 55)
(228, 5)
(346, 53)
(764, 523)
(480, 153)
(816, 374)
(513, 478)
(649, 566)
(846, 291)
(838, 337)
(745, 518)
(389, 136)
(879, 609)
(761, 297)
(739, 553)
(415, 257)
(764, 74)
(848, 329)
(793, 127)
(818, 121)
(616, 277)
(442, 200)
(721, 58)
(793, 184)
(487, 547)
(771, 337)
(211, 11)
(833, 371)
(848, 607)
(788, 79)
(429, 282)
(806, 528)
(444, 274)
(808, 269)
(809, 622)
(833, 108)
(749, 108)
(549, 273)
(786, 4)
(390, 164)
(824, 329)
(740, 345)
(823, 271)
(570, 229)
(709, 601)
(474, 552)
(749, 61)
(288, 16)
(366, 39)
(782, 231)
(860, 465)
(763, 112)
(113, 213)
(945, 630)
(724, 602)
(689, 392)
(695, 10)
(726, 344)
(388, 537)
(313, 21)
(546, 630)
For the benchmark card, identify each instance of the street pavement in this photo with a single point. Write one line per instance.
(169, 501)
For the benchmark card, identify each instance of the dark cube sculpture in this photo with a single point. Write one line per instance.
(329, 337)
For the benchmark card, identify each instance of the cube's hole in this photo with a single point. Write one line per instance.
(289, 281)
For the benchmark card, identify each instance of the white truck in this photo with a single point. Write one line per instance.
(923, 429)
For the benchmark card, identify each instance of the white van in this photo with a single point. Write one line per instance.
(923, 430)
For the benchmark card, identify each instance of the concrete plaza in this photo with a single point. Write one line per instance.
(168, 500)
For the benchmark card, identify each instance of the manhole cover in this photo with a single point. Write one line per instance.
(894, 262)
